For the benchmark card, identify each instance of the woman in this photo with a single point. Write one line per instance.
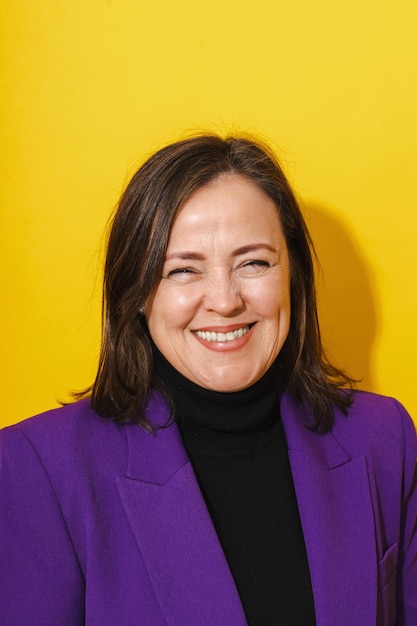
(221, 471)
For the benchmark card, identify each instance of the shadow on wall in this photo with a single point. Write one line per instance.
(347, 300)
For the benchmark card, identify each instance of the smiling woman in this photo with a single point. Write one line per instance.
(221, 313)
(220, 471)
(216, 190)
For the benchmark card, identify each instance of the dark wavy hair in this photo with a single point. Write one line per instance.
(136, 250)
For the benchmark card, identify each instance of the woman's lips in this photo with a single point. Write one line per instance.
(231, 335)
(224, 339)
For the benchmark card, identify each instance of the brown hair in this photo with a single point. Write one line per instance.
(136, 251)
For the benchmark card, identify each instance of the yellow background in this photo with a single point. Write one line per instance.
(89, 89)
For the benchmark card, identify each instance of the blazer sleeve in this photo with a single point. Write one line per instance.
(40, 577)
(407, 558)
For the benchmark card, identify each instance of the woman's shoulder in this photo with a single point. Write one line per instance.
(374, 426)
(370, 409)
(76, 436)
(378, 423)
(64, 421)
(69, 436)
(370, 403)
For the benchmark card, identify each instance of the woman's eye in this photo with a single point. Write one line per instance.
(181, 270)
(258, 263)
(256, 266)
(182, 274)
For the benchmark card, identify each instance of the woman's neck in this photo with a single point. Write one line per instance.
(218, 420)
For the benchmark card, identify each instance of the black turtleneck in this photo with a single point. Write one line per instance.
(237, 447)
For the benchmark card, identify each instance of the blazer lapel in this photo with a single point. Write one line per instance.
(336, 513)
(173, 529)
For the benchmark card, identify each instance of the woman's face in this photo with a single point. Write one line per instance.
(221, 312)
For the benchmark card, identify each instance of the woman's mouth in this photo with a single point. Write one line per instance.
(221, 337)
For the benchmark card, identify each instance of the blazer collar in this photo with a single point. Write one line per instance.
(334, 502)
(173, 528)
(324, 449)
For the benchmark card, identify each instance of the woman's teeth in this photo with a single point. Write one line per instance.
(209, 335)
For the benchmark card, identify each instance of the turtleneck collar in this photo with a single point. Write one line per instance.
(217, 420)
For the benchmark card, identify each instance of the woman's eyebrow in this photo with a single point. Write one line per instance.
(185, 255)
(253, 248)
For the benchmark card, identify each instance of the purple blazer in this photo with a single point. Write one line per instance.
(103, 524)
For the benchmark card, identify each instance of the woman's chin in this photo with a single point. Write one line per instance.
(229, 382)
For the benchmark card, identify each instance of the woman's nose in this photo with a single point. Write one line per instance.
(223, 295)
